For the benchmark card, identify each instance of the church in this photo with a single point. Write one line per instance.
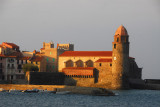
(62, 65)
(107, 69)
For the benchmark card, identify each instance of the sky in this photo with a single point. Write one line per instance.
(88, 24)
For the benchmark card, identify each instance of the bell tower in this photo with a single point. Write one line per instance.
(120, 58)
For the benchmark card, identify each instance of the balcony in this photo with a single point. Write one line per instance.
(11, 67)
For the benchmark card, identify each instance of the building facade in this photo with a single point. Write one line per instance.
(107, 69)
(115, 67)
(51, 54)
(8, 62)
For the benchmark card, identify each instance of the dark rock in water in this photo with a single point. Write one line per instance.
(87, 91)
(103, 92)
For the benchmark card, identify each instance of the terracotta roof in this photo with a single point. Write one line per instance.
(121, 31)
(86, 53)
(81, 71)
(42, 48)
(10, 44)
(38, 53)
(7, 56)
(24, 58)
(36, 59)
(80, 68)
(104, 60)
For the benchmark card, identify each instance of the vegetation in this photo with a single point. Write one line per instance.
(30, 67)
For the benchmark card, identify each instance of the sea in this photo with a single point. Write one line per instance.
(125, 98)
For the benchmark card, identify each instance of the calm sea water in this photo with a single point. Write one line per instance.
(126, 98)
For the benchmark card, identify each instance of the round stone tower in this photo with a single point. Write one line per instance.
(120, 59)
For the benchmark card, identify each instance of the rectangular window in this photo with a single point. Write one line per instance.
(100, 64)
(53, 59)
(12, 65)
(19, 66)
(11, 77)
(17, 61)
(26, 61)
(21, 61)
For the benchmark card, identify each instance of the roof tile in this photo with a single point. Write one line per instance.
(86, 53)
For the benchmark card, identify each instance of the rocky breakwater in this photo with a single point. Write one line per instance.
(60, 88)
(86, 91)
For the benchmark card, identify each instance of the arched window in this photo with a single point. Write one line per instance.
(117, 39)
(114, 46)
(79, 63)
(89, 63)
(69, 63)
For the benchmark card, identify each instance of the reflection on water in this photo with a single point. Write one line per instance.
(126, 98)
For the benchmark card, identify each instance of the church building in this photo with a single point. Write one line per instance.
(109, 69)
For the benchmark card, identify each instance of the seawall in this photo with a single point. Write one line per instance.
(142, 84)
(25, 87)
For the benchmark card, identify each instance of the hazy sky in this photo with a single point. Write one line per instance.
(88, 24)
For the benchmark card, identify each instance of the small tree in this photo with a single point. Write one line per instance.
(30, 67)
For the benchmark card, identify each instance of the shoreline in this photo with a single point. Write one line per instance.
(61, 88)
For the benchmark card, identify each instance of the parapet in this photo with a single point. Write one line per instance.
(67, 47)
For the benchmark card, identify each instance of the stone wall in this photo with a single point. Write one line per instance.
(46, 78)
(75, 81)
(105, 71)
(134, 71)
(25, 87)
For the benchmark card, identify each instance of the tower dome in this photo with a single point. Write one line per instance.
(121, 31)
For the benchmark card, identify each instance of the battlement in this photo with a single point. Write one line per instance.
(48, 45)
(68, 47)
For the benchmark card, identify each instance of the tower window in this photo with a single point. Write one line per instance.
(117, 39)
(114, 46)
